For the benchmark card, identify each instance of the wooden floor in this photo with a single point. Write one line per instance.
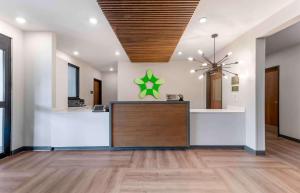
(192, 171)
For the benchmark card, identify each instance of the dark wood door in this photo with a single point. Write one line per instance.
(214, 90)
(97, 92)
(272, 96)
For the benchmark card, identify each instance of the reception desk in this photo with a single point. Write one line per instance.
(149, 124)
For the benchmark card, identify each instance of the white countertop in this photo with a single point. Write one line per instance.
(228, 110)
(74, 109)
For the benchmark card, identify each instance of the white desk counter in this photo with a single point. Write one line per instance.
(217, 127)
(79, 127)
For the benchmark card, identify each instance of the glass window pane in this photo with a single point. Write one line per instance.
(1, 75)
(72, 88)
(1, 133)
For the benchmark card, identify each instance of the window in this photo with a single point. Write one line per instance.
(73, 81)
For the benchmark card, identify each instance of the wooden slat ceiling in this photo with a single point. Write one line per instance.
(149, 30)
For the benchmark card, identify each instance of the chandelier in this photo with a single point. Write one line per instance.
(211, 67)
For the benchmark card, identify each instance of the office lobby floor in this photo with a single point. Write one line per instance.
(192, 171)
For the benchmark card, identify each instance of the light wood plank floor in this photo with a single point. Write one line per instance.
(192, 171)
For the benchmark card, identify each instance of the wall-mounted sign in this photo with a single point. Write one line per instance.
(235, 84)
(149, 85)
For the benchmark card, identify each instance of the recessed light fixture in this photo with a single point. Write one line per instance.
(203, 20)
(75, 53)
(111, 69)
(117, 53)
(193, 71)
(179, 53)
(190, 59)
(93, 21)
(20, 20)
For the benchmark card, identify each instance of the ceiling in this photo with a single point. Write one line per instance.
(98, 44)
(149, 31)
(229, 18)
(284, 39)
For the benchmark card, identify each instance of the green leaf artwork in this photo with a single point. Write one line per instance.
(149, 85)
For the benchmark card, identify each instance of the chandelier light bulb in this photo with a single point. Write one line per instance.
(204, 64)
(179, 53)
(226, 77)
(201, 77)
(200, 52)
(229, 53)
(193, 71)
(190, 59)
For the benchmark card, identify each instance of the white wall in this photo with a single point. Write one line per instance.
(251, 96)
(109, 87)
(288, 60)
(39, 61)
(176, 75)
(18, 83)
(86, 77)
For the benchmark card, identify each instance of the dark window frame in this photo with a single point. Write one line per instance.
(5, 44)
(77, 81)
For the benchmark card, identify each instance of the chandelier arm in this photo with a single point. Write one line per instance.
(230, 72)
(223, 59)
(201, 69)
(200, 61)
(231, 63)
(207, 60)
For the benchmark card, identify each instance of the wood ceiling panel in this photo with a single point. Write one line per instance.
(149, 30)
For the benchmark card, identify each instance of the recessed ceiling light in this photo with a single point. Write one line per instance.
(117, 53)
(75, 53)
(179, 53)
(20, 20)
(190, 59)
(203, 20)
(111, 69)
(93, 20)
(193, 71)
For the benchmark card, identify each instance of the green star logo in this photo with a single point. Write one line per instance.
(149, 85)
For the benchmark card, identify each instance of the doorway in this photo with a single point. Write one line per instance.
(97, 92)
(5, 96)
(272, 100)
